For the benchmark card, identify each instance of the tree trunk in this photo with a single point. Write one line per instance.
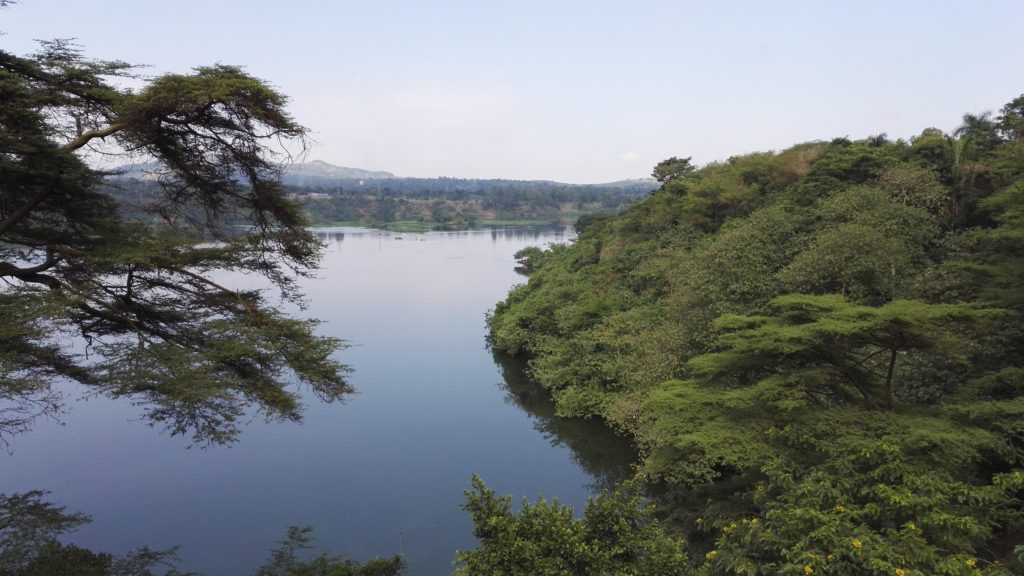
(888, 377)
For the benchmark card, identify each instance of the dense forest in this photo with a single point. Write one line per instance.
(452, 203)
(420, 204)
(816, 351)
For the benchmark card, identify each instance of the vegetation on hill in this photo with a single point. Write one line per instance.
(427, 203)
(452, 203)
(818, 352)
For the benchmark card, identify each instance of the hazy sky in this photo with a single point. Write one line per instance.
(571, 90)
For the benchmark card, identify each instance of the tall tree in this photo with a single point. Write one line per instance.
(673, 169)
(143, 298)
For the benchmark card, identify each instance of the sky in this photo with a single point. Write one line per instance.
(574, 91)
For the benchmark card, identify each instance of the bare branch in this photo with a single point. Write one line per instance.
(84, 138)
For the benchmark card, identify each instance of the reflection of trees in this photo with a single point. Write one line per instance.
(539, 234)
(606, 456)
(553, 233)
(329, 237)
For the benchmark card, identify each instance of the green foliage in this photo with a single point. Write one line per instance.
(1002, 262)
(528, 258)
(615, 536)
(915, 186)
(866, 248)
(28, 523)
(871, 512)
(810, 348)
(138, 292)
(29, 546)
(824, 350)
(285, 561)
(449, 203)
(672, 169)
(1011, 121)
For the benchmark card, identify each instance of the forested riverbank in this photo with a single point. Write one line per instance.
(798, 362)
(817, 351)
(411, 204)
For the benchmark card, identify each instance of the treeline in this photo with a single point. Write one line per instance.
(455, 202)
(818, 352)
(440, 203)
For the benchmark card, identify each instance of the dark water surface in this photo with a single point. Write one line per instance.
(379, 474)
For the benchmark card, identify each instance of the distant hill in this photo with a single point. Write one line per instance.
(324, 175)
(320, 173)
(315, 173)
(649, 184)
(332, 194)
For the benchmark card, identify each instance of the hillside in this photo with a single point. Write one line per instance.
(453, 203)
(338, 195)
(320, 173)
(818, 352)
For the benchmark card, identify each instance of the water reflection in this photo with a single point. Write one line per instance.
(553, 233)
(604, 455)
(383, 472)
(329, 237)
(548, 233)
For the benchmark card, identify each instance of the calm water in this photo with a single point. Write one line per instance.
(379, 474)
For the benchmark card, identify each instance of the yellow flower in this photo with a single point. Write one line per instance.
(840, 509)
(711, 554)
(808, 570)
(970, 562)
(901, 572)
(760, 487)
(911, 526)
(830, 558)
(856, 544)
(755, 521)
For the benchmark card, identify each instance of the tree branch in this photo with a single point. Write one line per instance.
(8, 269)
(84, 139)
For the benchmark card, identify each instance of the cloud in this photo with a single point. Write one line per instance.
(630, 157)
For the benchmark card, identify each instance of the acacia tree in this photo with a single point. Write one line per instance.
(131, 307)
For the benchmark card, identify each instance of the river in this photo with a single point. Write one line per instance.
(382, 473)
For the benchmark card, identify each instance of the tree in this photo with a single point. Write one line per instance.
(616, 536)
(29, 546)
(830, 352)
(142, 296)
(672, 169)
(868, 246)
(981, 129)
(1000, 264)
(285, 561)
(871, 511)
(1010, 121)
(27, 524)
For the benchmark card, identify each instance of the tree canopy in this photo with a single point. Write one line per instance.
(816, 351)
(138, 307)
(616, 535)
